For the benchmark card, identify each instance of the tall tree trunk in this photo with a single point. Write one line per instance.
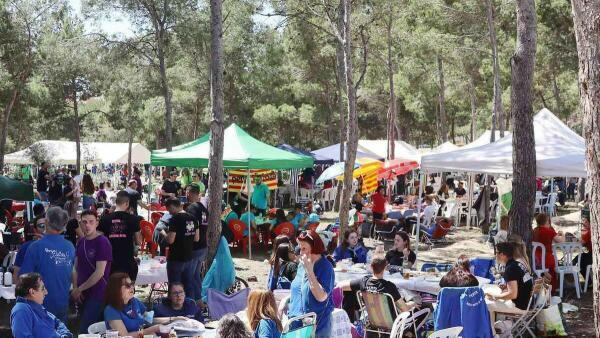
(77, 128)
(391, 118)
(523, 141)
(341, 84)
(352, 134)
(497, 111)
(442, 101)
(473, 98)
(14, 97)
(587, 34)
(165, 89)
(129, 151)
(556, 93)
(215, 163)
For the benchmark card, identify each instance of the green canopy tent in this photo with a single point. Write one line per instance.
(15, 190)
(240, 151)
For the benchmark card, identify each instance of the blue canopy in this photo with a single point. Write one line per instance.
(333, 152)
(318, 158)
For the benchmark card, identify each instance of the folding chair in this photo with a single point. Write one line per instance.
(379, 315)
(384, 229)
(307, 330)
(437, 236)
(538, 301)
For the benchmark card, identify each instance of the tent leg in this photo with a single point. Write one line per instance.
(149, 191)
(422, 177)
(248, 207)
(470, 200)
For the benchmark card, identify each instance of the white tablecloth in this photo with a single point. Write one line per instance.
(7, 292)
(419, 283)
(151, 271)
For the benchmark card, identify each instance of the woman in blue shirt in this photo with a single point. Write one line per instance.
(177, 305)
(351, 249)
(311, 289)
(262, 314)
(123, 311)
(28, 318)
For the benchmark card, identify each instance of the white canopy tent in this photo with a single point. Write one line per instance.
(444, 148)
(484, 139)
(559, 152)
(64, 152)
(402, 150)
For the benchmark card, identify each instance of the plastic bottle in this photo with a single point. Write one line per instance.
(172, 334)
(7, 278)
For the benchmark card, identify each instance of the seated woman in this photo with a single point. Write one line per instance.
(350, 249)
(519, 282)
(249, 219)
(123, 311)
(231, 326)
(401, 252)
(283, 267)
(460, 275)
(28, 318)
(177, 305)
(262, 314)
(297, 217)
(545, 234)
(279, 218)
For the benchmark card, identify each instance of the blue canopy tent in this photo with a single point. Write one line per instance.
(318, 158)
(333, 152)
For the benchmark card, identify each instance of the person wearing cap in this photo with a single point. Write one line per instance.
(171, 188)
(260, 196)
(135, 198)
(312, 288)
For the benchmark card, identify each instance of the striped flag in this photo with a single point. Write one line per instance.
(237, 178)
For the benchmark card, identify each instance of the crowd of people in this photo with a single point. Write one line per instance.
(73, 255)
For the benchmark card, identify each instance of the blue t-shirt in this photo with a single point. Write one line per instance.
(248, 218)
(230, 216)
(295, 307)
(21, 253)
(260, 196)
(267, 328)
(189, 309)
(52, 257)
(132, 315)
(296, 220)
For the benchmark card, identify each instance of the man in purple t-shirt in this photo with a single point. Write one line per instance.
(92, 269)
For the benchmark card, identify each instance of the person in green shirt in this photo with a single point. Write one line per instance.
(197, 179)
(26, 173)
(260, 196)
(186, 178)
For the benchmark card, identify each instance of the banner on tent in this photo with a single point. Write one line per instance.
(237, 178)
(369, 182)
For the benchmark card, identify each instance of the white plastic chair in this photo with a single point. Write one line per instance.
(588, 271)
(399, 325)
(97, 328)
(539, 271)
(569, 250)
(538, 202)
(550, 206)
(451, 332)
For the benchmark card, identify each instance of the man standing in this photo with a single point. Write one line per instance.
(171, 188)
(52, 256)
(135, 198)
(260, 196)
(182, 233)
(42, 181)
(123, 231)
(200, 213)
(92, 269)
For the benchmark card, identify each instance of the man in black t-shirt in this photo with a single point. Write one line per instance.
(42, 181)
(374, 284)
(181, 234)
(460, 190)
(171, 188)
(123, 231)
(200, 213)
(519, 282)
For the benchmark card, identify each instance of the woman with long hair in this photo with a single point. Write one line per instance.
(231, 326)
(401, 254)
(88, 189)
(262, 314)
(351, 249)
(283, 267)
(460, 275)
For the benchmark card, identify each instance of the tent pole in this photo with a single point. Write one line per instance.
(149, 191)
(419, 207)
(470, 200)
(248, 207)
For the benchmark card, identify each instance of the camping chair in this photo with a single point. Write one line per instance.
(463, 307)
(379, 315)
(307, 330)
(220, 304)
(565, 265)
(155, 216)
(539, 271)
(384, 229)
(428, 266)
(539, 300)
(481, 267)
(438, 234)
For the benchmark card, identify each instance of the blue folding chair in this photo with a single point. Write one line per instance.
(444, 267)
(427, 266)
(481, 267)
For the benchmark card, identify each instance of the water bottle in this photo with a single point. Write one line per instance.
(1, 276)
(7, 278)
(369, 256)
